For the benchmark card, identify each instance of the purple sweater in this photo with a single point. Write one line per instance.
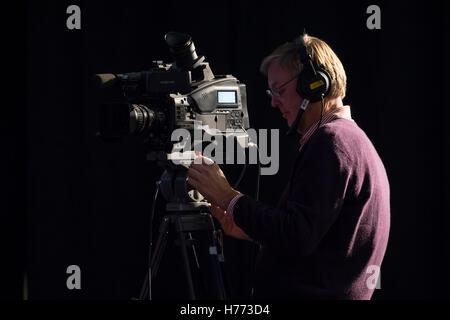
(330, 232)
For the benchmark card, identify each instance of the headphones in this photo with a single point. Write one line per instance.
(313, 83)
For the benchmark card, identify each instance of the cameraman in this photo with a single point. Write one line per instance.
(329, 233)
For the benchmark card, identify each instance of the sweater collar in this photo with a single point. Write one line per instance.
(340, 112)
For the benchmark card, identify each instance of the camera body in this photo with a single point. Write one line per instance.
(153, 103)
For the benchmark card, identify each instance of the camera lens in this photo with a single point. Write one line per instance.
(141, 118)
(182, 49)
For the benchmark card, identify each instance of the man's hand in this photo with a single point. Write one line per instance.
(229, 227)
(210, 181)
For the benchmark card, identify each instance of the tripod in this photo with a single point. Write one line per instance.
(183, 219)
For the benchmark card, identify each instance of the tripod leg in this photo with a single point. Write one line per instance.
(187, 267)
(217, 270)
(193, 251)
(160, 246)
(155, 258)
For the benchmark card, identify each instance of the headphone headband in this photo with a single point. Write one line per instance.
(302, 51)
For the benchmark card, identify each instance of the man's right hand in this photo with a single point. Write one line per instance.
(229, 227)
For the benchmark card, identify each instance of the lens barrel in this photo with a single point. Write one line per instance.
(141, 118)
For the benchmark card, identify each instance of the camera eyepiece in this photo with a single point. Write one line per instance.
(182, 49)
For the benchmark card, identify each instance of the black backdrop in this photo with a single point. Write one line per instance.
(73, 200)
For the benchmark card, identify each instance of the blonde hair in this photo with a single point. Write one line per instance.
(322, 56)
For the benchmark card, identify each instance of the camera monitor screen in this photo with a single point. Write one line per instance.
(226, 97)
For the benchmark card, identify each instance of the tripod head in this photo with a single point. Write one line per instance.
(179, 195)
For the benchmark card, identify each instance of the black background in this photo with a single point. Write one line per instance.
(71, 199)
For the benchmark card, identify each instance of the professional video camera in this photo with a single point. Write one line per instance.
(170, 96)
(153, 104)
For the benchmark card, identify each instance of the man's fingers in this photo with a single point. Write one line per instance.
(192, 173)
(202, 165)
(197, 167)
(193, 182)
(206, 160)
(202, 170)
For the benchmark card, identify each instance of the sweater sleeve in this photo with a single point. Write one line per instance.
(317, 192)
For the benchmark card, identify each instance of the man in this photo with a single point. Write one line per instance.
(329, 234)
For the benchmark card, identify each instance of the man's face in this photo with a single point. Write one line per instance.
(288, 101)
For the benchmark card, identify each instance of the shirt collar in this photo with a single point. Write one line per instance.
(339, 112)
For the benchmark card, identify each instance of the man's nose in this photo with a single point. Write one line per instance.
(275, 101)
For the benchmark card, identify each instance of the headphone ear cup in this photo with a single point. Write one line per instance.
(315, 87)
(325, 77)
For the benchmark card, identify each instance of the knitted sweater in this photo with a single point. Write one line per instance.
(329, 236)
